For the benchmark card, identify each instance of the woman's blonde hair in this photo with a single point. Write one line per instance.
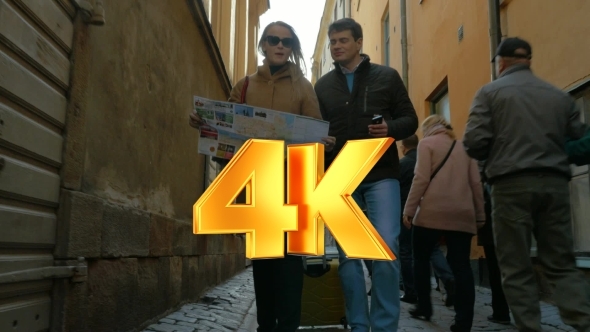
(436, 119)
(297, 68)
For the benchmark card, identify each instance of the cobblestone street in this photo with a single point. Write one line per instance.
(230, 307)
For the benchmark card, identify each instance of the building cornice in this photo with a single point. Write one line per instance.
(200, 16)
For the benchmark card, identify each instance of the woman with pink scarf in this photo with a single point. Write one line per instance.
(446, 199)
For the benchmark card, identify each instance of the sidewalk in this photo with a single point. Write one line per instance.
(231, 307)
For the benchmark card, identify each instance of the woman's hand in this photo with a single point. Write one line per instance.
(408, 221)
(329, 141)
(195, 121)
(480, 224)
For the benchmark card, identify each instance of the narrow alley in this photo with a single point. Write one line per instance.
(231, 307)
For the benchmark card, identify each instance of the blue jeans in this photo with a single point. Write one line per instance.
(382, 200)
(440, 265)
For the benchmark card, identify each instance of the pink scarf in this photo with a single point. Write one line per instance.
(433, 130)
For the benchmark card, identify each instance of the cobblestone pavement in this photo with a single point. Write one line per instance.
(231, 307)
(224, 308)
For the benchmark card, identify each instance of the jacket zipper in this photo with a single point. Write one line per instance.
(365, 105)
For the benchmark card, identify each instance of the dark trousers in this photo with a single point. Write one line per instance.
(499, 306)
(278, 284)
(459, 248)
(538, 204)
(406, 260)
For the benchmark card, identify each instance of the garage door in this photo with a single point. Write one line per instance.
(35, 45)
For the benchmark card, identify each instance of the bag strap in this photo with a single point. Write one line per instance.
(444, 161)
(244, 90)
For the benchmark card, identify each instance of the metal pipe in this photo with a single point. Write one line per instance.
(404, 42)
(349, 8)
(495, 31)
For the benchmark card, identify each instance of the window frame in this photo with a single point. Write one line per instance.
(436, 98)
(581, 95)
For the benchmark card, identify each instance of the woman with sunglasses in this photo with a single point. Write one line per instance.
(279, 84)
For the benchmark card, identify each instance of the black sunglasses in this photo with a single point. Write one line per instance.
(274, 41)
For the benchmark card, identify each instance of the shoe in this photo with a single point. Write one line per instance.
(459, 328)
(409, 299)
(503, 321)
(419, 313)
(450, 287)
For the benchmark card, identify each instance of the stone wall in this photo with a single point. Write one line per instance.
(132, 172)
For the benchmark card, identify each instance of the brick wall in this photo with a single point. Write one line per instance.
(132, 173)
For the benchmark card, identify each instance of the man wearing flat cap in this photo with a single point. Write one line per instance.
(518, 124)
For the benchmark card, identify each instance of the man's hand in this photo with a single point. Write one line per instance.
(480, 224)
(379, 130)
(195, 121)
(329, 141)
(408, 221)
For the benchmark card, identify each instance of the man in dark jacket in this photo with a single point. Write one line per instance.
(350, 96)
(518, 125)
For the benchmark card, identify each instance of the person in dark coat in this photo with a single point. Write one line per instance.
(485, 238)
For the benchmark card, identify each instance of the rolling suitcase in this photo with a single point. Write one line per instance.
(322, 301)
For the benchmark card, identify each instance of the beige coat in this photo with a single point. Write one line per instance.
(286, 91)
(453, 200)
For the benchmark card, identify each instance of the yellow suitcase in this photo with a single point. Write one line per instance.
(322, 301)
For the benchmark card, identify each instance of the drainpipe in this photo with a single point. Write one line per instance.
(495, 30)
(349, 8)
(404, 41)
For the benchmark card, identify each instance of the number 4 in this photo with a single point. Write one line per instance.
(313, 198)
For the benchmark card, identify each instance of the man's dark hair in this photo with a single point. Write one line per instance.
(411, 142)
(347, 24)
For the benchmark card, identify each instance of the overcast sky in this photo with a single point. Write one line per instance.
(304, 16)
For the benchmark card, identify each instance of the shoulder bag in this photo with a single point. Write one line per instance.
(444, 161)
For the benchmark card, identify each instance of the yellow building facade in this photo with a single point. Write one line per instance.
(321, 60)
(442, 49)
(236, 25)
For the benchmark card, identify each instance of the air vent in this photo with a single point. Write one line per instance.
(460, 33)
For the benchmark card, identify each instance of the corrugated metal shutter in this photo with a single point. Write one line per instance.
(35, 46)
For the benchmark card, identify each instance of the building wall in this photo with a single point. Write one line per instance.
(436, 55)
(235, 24)
(567, 64)
(322, 61)
(132, 171)
(395, 35)
(370, 15)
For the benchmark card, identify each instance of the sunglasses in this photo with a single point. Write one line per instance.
(274, 41)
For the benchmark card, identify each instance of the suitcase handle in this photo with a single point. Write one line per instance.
(316, 271)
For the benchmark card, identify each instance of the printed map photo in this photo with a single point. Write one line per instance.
(244, 110)
(230, 125)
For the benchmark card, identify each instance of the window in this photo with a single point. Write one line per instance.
(386, 40)
(335, 12)
(440, 105)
